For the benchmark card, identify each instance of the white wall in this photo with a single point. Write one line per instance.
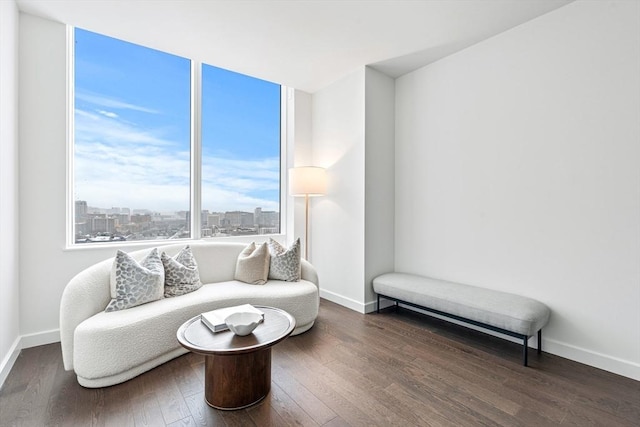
(518, 168)
(379, 179)
(9, 288)
(352, 226)
(337, 219)
(299, 128)
(44, 265)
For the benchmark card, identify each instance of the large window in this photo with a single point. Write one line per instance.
(240, 153)
(136, 129)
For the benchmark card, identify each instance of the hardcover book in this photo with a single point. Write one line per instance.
(214, 319)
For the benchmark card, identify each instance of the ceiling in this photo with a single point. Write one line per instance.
(298, 43)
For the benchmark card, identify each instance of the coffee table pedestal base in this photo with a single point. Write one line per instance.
(237, 381)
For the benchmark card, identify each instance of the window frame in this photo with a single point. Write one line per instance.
(195, 203)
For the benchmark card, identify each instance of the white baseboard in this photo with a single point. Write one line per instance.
(343, 301)
(9, 360)
(605, 362)
(372, 306)
(40, 338)
(22, 342)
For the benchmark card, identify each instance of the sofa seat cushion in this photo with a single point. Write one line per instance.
(109, 343)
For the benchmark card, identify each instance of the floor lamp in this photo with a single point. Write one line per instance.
(307, 181)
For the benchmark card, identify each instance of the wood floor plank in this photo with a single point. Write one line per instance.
(185, 422)
(35, 398)
(202, 413)
(264, 414)
(466, 379)
(238, 419)
(187, 380)
(304, 398)
(424, 406)
(290, 412)
(118, 407)
(172, 404)
(359, 392)
(311, 379)
(350, 369)
(585, 415)
(146, 411)
(389, 402)
(62, 404)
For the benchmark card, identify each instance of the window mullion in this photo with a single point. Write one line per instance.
(71, 212)
(196, 149)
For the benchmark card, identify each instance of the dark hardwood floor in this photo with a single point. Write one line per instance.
(349, 370)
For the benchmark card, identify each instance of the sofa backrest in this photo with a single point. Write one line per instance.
(216, 262)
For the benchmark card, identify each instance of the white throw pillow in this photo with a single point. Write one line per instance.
(285, 263)
(181, 274)
(252, 265)
(137, 283)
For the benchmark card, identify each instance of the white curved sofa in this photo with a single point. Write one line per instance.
(109, 348)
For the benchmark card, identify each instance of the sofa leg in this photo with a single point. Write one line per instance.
(525, 351)
(378, 308)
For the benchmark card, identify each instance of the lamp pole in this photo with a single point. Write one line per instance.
(306, 227)
(307, 181)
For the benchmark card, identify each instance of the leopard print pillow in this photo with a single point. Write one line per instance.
(285, 263)
(137, 283)
(181, 274)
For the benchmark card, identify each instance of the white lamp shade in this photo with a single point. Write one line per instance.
(307, 181)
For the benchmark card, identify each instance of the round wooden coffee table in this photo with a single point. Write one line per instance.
(237, 369)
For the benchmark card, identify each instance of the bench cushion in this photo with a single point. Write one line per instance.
(503, 310)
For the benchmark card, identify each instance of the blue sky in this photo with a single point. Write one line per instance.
(132, 131)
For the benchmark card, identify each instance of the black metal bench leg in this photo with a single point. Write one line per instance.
(525, 350)
(540, 341)
(378, 303)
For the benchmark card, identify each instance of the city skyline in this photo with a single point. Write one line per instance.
(134, 211)
(95, 224)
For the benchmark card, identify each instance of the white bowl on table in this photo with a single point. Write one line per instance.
(243, 323)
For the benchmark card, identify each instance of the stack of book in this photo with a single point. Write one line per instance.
(214, 319)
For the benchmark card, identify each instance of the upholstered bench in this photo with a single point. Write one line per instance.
(509, 314)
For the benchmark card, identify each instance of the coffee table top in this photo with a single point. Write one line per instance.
(277, 325)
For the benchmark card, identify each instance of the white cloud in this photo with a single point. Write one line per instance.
(90, 127)
(107, 102)
(108, 114)
(121, 164)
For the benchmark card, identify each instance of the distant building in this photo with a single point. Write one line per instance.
(239, 219)
(140, 219)
(257, 215)
(81, 210)
(103, 224)
(270, 219)
(213, 220)
(123, 219)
